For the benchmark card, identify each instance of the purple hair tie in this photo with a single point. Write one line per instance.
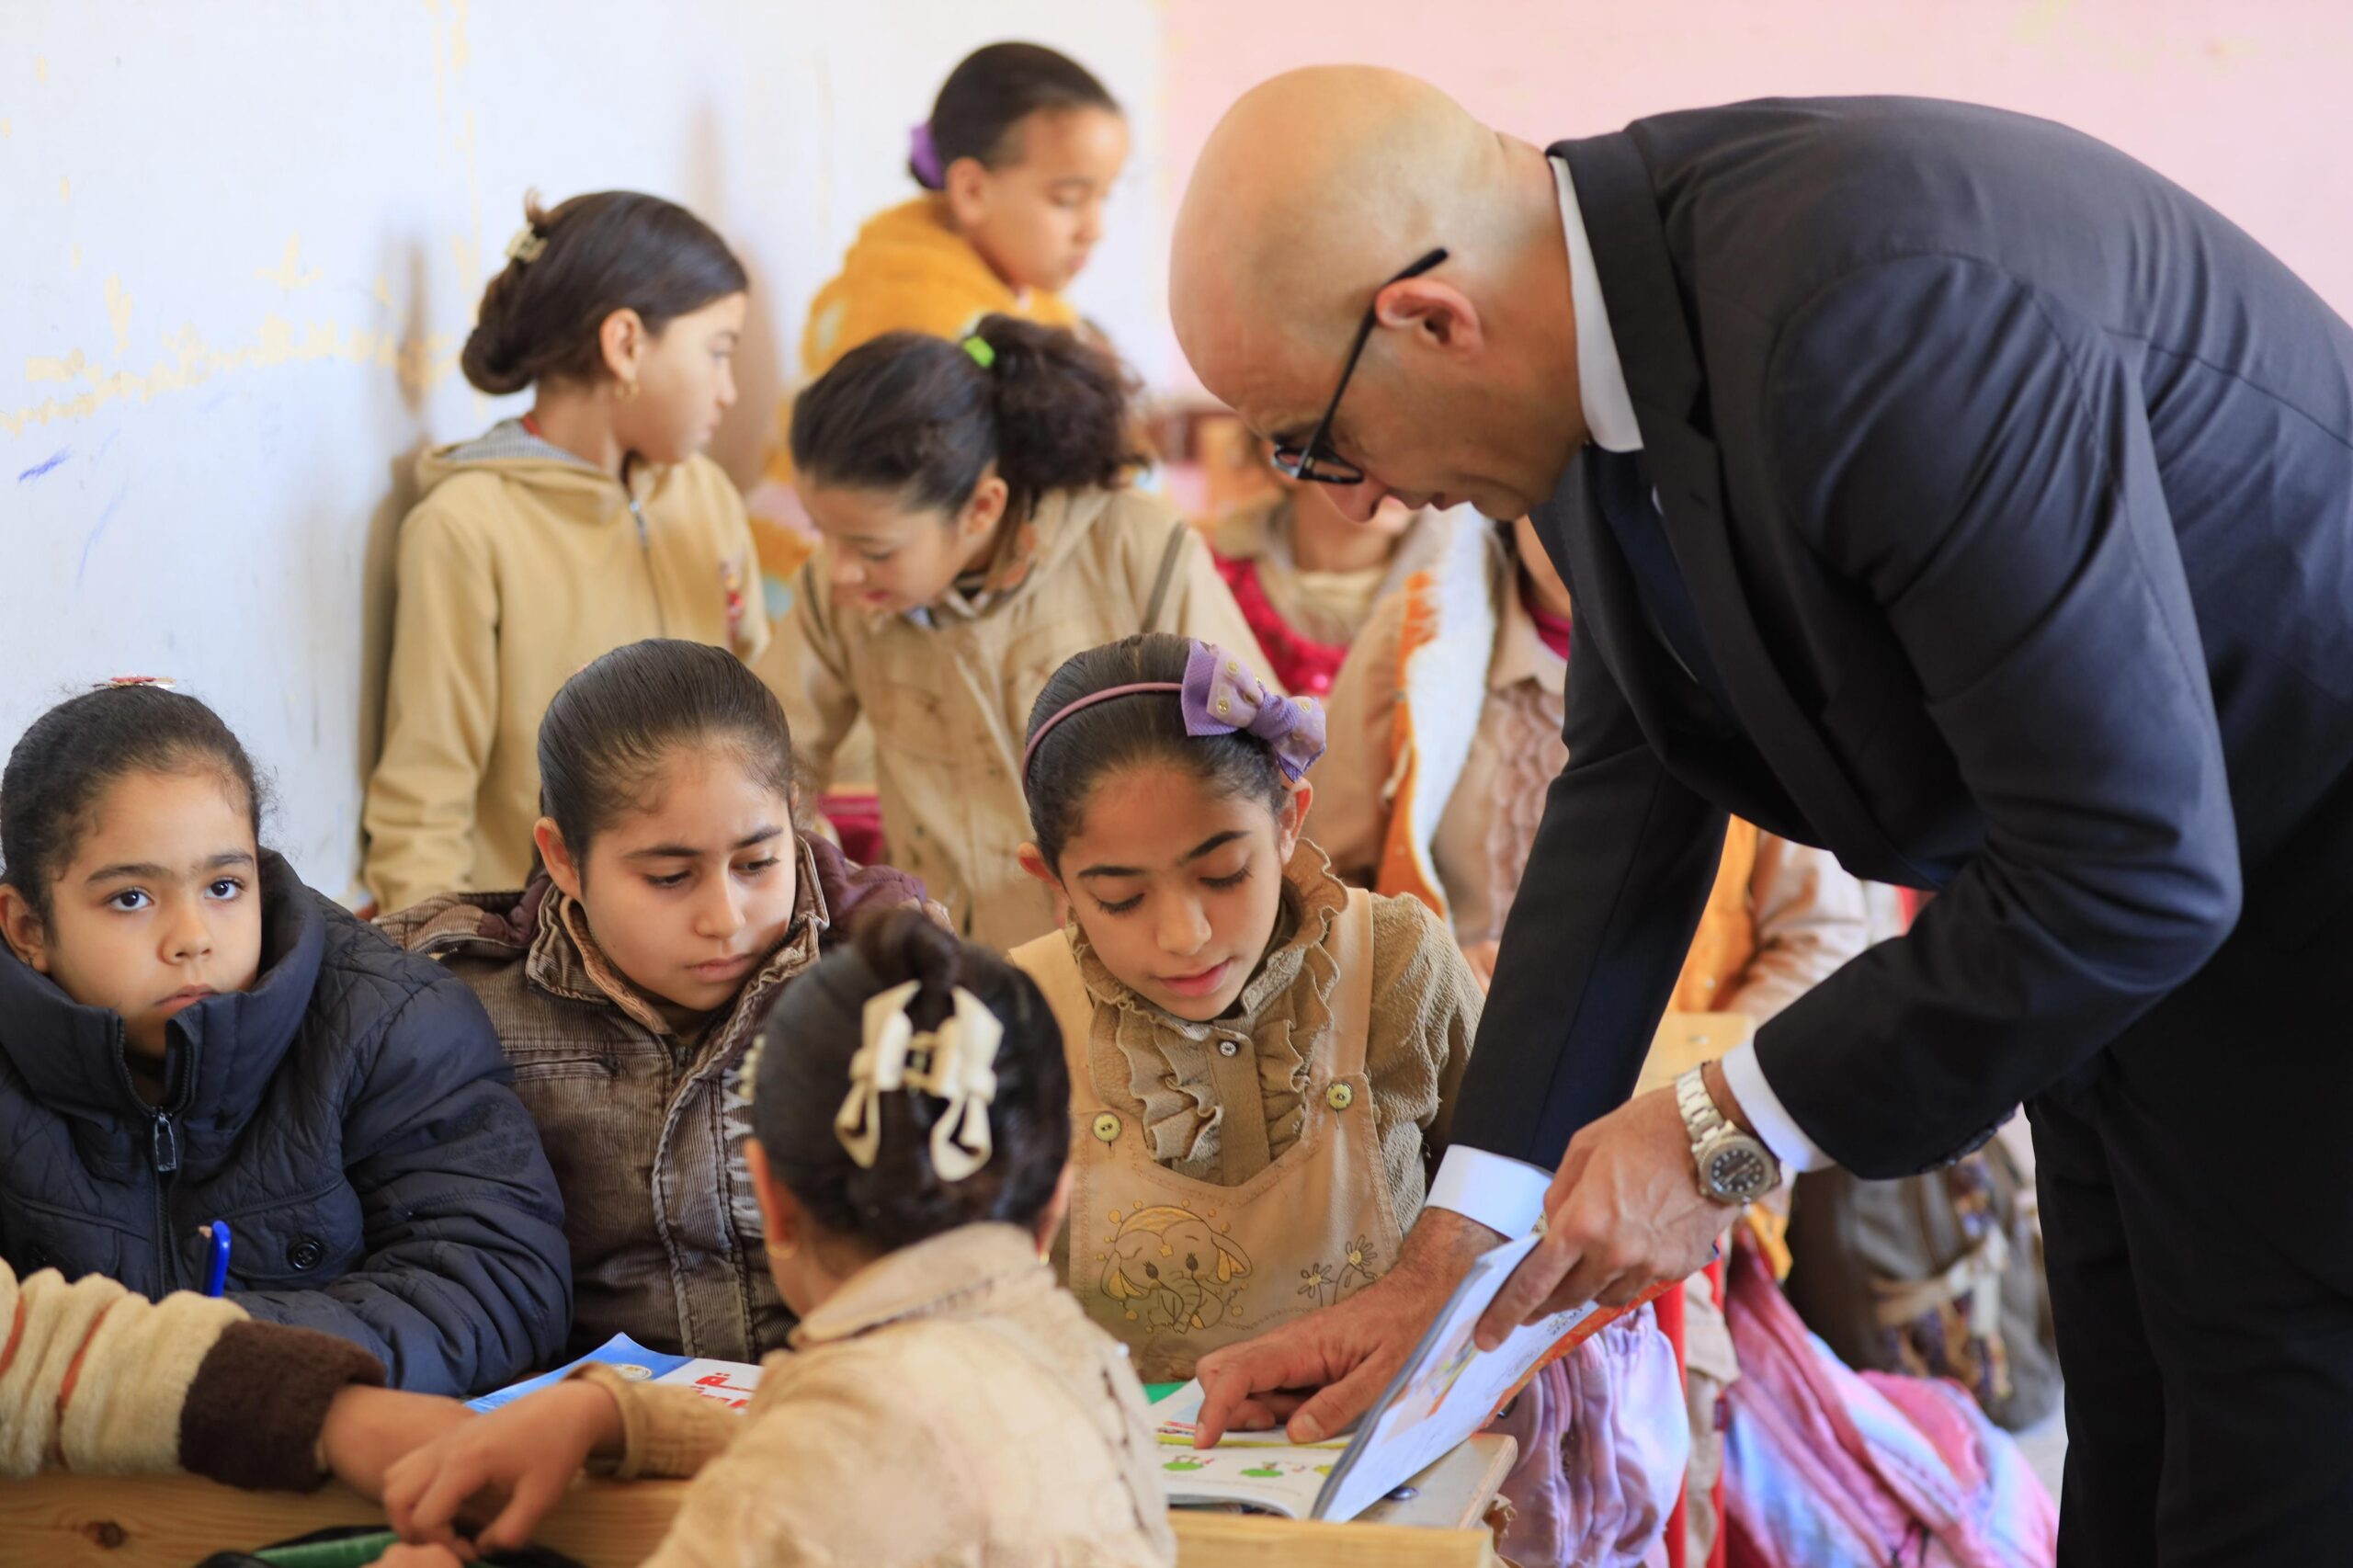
(1220, 696)
(922, 158)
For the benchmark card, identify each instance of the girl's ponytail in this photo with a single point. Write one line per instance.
(923, 418)
(1061, 409)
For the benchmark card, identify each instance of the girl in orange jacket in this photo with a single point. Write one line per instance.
(1015, 163)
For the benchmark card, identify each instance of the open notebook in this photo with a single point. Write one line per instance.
(1447, 1390)
(730, 1383)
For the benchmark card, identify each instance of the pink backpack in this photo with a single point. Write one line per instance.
(1829, 1468)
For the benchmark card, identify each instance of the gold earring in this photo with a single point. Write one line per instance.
(629, 390)
(780, 1255)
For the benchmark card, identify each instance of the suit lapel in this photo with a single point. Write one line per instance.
(1663, 376)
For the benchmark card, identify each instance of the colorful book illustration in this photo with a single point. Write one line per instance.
(730, 1383)
(1446, 1391)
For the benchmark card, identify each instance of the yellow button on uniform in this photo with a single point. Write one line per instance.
(1107, 1127)
(1339, 1096)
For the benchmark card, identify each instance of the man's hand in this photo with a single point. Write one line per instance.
(1624, 1210)
(1347, 1353)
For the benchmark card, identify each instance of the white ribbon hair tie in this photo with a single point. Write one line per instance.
(955, 1062)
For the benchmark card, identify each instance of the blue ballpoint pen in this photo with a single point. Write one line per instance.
(216, 1273)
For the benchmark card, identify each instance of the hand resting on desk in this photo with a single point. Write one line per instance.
(510, 1467)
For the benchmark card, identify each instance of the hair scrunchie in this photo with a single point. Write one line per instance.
(922, 158)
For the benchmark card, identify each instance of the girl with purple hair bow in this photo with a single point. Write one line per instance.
(1262, 1060)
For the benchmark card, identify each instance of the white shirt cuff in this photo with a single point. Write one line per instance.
(1501, 1193)
(1744, 1075)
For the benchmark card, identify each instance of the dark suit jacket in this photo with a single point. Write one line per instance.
(2012, 489)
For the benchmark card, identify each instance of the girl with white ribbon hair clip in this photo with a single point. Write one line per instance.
(955, 1062)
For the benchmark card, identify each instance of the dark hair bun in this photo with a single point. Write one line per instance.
(806, 1047)
(540, 316)
(1061, 409)
(902, 944)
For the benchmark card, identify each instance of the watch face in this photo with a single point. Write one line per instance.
(1739, 1171)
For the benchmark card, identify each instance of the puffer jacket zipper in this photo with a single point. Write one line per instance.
(163, 1158)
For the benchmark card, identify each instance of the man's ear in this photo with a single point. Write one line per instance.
(561, 869)
(21, 924)
(1436, 312)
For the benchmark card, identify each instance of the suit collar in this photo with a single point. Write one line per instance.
(1634, 278)
(1601, 377)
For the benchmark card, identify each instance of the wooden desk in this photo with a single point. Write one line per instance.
(75, 1521)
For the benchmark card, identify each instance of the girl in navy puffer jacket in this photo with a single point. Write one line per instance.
(189, 1034)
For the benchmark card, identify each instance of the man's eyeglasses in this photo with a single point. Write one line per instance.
(1313, 461)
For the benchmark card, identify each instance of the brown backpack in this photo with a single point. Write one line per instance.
(1937, 1275)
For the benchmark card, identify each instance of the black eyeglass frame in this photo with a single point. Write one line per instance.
(1314, 461)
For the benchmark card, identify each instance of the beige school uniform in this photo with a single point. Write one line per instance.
(1232, 1175)
(949, 1404)
(948, 690)
(522, 563)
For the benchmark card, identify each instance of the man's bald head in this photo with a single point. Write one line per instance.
(1303, 192)
(1315, 189)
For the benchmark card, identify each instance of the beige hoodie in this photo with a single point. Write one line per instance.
(522, 563)
(949, 691)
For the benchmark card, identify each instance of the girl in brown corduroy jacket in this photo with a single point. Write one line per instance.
(945, 1402)
(628, 979)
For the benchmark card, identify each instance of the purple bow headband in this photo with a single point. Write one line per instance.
(1220, 696)
(922, 158)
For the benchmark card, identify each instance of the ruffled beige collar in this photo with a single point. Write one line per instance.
(1165, 1070)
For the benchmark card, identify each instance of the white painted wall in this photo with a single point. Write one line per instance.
(240, 243)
